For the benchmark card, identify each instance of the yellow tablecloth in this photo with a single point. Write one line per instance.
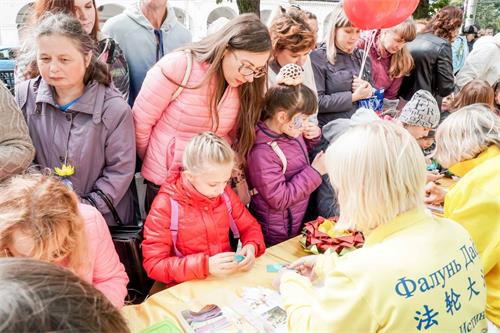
(169, 302)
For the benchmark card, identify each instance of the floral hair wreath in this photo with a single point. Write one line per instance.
(291, 75)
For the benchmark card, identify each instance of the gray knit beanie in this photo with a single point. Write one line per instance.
(421, 110)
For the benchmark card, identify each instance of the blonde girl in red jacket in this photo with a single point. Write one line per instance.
(186, 234)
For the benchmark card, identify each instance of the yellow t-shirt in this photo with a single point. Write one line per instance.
(474, 202)
(417, 273)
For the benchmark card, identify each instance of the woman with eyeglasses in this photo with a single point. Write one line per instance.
(336, 64)
(216, 84)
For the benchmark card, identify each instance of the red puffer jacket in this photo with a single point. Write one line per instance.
(203, 232)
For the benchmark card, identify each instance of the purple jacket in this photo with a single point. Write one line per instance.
(281, 201)
(380, 70)
(97, 132)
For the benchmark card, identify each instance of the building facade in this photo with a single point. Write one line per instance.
(196, 15)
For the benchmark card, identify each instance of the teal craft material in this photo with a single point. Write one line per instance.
(239, 258)
(274, 268)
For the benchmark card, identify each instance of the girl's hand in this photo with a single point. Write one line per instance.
(305, 266)
(311, 131)
(434, 194)
(222, 264)
(248, 251)
(319, 163)
(361, 89)
(432, 176)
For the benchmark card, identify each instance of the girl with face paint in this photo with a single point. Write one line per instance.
(278, 164)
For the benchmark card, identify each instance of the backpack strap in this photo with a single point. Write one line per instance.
(189, 66)
(232, 224)
(280, 153)
(174, 225)
(174, 222)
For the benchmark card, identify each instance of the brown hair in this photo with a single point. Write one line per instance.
(41, 297)
(496, 90)
(291, 31)
(64, 6)
(43, 208)
(402, 61)
(476, 91)
(70, 27)
(291, 99)
(245, 32)
(445, 22)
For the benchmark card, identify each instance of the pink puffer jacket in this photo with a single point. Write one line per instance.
(163, 127)
(103, 267)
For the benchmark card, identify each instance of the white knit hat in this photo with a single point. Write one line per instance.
(421, 110)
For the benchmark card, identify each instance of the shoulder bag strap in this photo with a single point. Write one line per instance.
(110, 205)
(174, 225)
(189, 66)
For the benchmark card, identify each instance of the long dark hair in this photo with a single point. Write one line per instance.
(65, 6)
(291, 99)
(247, 33)
(68, 26)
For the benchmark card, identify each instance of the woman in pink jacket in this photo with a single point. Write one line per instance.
(216, 84)
(41, 218)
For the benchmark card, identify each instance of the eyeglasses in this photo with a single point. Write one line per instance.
(247, 68)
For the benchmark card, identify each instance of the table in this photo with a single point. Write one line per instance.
(169, 302)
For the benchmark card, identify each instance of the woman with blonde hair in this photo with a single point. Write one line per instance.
(215, 84)
(41, 218)
(42, 297)
(336, 64)
(392, 283)
(390, 58)
(468, 144)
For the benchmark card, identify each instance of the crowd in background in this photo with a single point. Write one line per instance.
(242, 137)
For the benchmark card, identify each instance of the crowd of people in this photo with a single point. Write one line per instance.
(241, 137)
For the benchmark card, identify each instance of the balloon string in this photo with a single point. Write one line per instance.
(367, 48)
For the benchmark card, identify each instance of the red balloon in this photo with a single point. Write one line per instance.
(370, 14)
(404, 10)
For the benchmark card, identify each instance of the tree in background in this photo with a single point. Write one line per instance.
(487, 11)
(246, 6)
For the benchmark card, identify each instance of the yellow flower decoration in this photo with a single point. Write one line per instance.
(66, 170)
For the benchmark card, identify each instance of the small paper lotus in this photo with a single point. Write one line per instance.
(66, 170)
(320, 235)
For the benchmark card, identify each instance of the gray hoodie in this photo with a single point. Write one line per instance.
(138, 40)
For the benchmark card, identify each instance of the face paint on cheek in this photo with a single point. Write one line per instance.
(296, 123)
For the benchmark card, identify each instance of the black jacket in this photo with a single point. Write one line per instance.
(433, 67)
(334, 82)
